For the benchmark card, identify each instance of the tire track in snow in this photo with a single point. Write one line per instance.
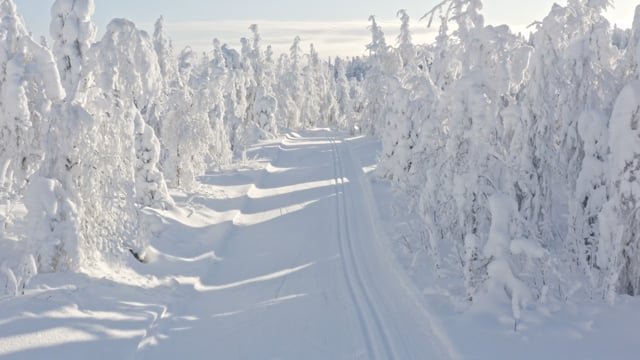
(374, 333)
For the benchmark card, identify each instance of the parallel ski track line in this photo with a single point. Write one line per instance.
(359, 294)
(361, 318)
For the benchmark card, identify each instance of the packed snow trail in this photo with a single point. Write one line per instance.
(303, 273)
(286, 261)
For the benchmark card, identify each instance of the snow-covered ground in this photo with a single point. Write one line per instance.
(298, 254)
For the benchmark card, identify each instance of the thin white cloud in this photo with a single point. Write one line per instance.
(331, 38)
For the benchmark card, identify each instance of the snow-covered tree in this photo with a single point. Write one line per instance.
(405, 47)
(28, 85)
(312, 81)
(220, 147)
(590, 193)
(383, 67)
(164, 49)
(29, 92)
(290, 87)
(619, 248)
(186, 125)
(343, 94)
(73, 33)
(123, 80)
(630, 63)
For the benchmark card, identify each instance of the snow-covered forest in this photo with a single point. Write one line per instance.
(519, 152)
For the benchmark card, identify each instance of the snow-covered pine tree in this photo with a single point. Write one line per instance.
(343, 94)
(186, 124)
(552, 150)
(590, 194)
(263, 103)
(310, 107)
(383, 66)
(28, 85)
(164, 50)
(405, 46)
(290, 87)
(329, 109)
(73, 33)
(465, 139)
(591, 60)
(123, 79)
(219, 145)
(30, 93)
(629, 68)
(168, 63)
(618, 252)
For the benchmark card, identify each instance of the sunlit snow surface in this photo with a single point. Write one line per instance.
(297, 254)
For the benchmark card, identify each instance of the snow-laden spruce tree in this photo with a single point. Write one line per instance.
(191, 111)
(411, 107)
(629, 68)
(219, 144)
(247, 85)
(342, 92)
(120, 174)
(329, 108)
(240, 97)
(185, 124)
(313, 85)
(328, 113)
(264, 108)
(618, 246)
(198, 114)
(128, 75)
(590, 195)
(262, 103)
(499, 249)
(269, 67)
(440, 62)
(168, 63)
(405, 46)
(30, 91)
(571, 79)
(28, 85)
(397, 131)
(281, 91)
(54, 197)
(589, 66)
(618, 252)
(73, 33)
(290, 87)
(233, 96)
(474, 163)
(383, 63)
(164, 50)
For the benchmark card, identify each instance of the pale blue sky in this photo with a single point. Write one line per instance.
(337, 27)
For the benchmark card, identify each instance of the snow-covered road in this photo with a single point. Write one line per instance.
(286, 260)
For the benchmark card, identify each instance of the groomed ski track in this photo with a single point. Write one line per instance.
(304, 271)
